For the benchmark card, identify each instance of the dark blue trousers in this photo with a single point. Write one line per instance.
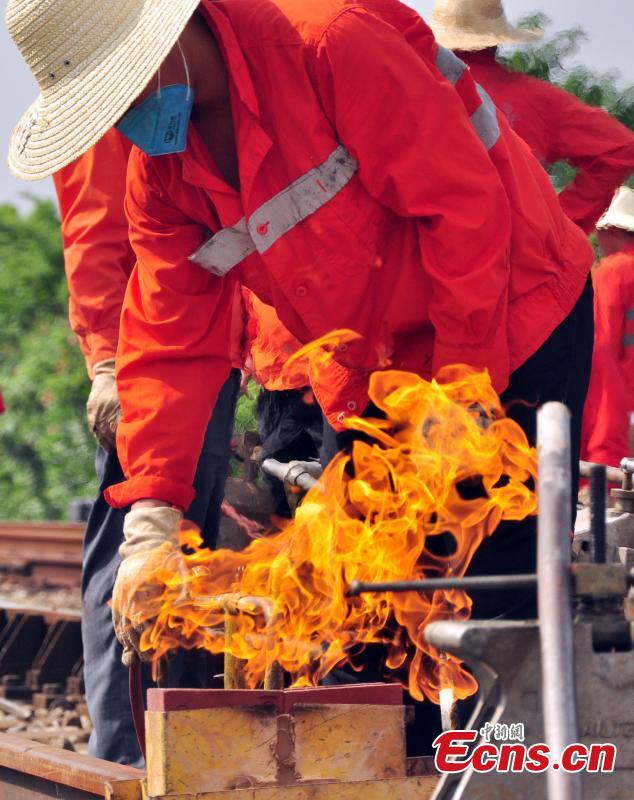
(113, 737)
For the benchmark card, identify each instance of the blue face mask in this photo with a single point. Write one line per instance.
(158, 125)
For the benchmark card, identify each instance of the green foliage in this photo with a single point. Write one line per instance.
(46, 451)
(548, 59)
(245, 410)
(601, 89)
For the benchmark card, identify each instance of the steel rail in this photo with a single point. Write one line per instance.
(30, 770)
(48, 614)
(48, 552)
(19, 531)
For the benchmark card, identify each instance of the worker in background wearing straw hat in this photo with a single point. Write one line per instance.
(98, 261)
(334, 160)
(556, 125)
(609, 417)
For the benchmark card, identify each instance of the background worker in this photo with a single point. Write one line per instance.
(98, 261)
(410, 214)
(614, 314)
(556, 125)
(607, 412)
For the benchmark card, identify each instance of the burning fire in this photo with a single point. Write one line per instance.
(393, 509)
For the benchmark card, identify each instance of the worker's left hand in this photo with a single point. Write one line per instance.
(103, 408)
(151, 547)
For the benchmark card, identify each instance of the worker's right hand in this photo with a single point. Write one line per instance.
(150, 548)
(103, 408)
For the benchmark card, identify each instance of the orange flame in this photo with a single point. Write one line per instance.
(377, 514)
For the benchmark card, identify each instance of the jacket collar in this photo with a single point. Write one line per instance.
(484, 57)
(252, 142)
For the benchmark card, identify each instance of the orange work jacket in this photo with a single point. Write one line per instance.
(379, 191)
(98, 257)
(606, 414)
(559, 127)
(614, 313)
(610, 402)
(270, 346)
(97, 253)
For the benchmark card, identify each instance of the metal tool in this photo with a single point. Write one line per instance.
(479, 583)
(553, 593)
(136, 695)
(597, 513)
(616, 542)
(303, 474)
(137, 705)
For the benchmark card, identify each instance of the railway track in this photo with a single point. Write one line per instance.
(43, 716)
(40, 653)
(41, 673)
(42, 553)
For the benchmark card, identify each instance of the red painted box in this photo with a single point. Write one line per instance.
(380, 694)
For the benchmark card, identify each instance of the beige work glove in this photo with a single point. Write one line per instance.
(151, 545)
(102, 408)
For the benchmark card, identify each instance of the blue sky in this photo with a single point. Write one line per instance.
(609, 24)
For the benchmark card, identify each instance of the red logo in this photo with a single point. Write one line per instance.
(454, 754)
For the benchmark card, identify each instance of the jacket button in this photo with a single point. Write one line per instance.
(301, 291)
(352, 406)
(263, 228)
(341, 416)
(342, 347)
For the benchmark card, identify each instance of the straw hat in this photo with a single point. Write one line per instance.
(621, 211)
(476, 24)
(91, 60)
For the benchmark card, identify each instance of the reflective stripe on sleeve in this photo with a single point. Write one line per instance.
(628, 340)
(629, 314)
(449, 65)
(227, 248)
(484, 119)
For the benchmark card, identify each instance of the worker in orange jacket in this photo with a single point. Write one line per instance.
(556, 124)
(606, 415)
(343, 167)
(614, 281)
(99, 261)
(290, 422)
(607, 421)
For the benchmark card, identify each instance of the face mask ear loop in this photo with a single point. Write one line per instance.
(189, 88)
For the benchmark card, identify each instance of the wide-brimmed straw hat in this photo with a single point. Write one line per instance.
(91, 60)
(620, 214)
(476, 25)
